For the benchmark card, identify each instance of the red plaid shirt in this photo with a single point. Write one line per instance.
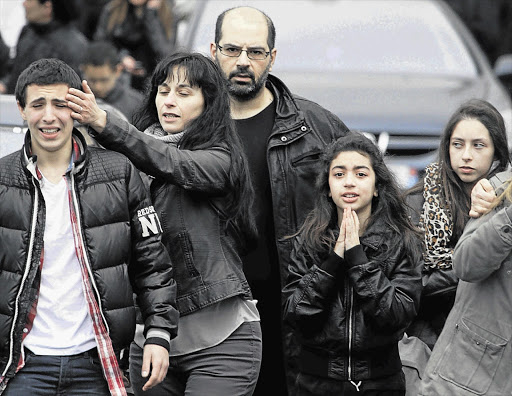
(106, 353)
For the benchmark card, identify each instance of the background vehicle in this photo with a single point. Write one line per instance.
(394, 69)
(12, 129)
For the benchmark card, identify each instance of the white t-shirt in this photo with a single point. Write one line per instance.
(62, 325)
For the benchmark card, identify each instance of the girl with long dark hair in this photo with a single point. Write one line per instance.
(354, 281)
(201, 189)
(473, 147)
(472, 355)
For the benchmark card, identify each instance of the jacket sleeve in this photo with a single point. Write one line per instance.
(150, 268)
(205, 171)
(310, 288)
(484, 245)
(392, 302)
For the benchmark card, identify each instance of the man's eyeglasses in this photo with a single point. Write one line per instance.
(235, 52)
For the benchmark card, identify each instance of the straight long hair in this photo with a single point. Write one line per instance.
(213, 128)
(454, 193)
(319, 230)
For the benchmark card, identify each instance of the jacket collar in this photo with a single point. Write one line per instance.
(287, 109)
(78, 158)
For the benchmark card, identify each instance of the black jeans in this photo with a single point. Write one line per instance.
(74, 375)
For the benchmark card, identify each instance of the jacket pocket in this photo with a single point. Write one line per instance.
(182, 255)
(472, 358)
(309, 158)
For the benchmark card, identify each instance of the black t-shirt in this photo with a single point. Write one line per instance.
(254, 133)
(261, 265)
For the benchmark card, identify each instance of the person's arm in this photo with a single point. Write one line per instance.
(151, 273)
(205, 171)
(310, 288)
(484, 245)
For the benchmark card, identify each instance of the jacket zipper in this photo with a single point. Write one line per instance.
(25, 275)
(350, 325)
(86, 258)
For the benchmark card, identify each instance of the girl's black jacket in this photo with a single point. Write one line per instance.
(349, 314)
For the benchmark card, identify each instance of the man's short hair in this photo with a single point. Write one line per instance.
(271, 36)
(101, 53)
(45, 72)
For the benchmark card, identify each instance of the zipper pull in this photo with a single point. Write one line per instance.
(356, 385)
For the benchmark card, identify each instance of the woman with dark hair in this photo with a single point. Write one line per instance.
(473, 147)
(354, 282)
(201, 189)
(142, 30)
(473, 354)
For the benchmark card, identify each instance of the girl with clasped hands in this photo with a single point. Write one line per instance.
(354, 282)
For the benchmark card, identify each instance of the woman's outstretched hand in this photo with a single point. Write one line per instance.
(85, 109)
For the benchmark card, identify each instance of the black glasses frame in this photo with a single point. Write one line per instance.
(267, 53)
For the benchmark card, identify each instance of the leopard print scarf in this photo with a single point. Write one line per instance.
(436, 222)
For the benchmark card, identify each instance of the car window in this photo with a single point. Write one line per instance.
(364, 36)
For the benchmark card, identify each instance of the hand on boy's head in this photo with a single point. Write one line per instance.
(85, 109)
(482, 197)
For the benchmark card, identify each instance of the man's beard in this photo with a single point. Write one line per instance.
(244, 92)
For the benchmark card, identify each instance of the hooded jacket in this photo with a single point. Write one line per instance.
(473, 355)
(119, 231)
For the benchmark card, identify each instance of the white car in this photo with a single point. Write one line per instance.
(396, 69)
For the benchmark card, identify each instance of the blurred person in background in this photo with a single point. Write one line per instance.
(283, 136)
(4, 56)
(102, 69)
(49, 33)
(90, 11)
(490, 21)
(144, 31)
